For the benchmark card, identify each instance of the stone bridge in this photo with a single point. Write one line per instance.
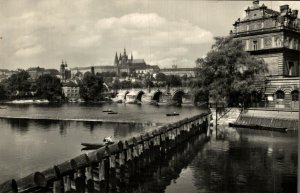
(174, 95)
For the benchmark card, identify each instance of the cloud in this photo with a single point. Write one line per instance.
(154, 30)
(88, 41)
(30, 51)
(90, 32)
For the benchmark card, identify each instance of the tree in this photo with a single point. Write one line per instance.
(91, 87)
(161, 77)
(48, 87)
(3, 92)
(228, 71)
(124, 74)
(18, 84)
(174, 80)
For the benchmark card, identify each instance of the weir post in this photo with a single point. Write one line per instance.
(66, 172)
(114, 149)
(99, 167)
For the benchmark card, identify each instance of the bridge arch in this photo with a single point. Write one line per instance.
(139, 95)
(157, 96)
(177, 96)
(125, 94)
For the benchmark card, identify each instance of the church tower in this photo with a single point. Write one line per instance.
(63, 71)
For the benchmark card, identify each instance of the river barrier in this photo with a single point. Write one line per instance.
(102, 169)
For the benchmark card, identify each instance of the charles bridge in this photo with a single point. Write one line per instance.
(175, 95)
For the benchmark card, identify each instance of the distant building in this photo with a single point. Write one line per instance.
(5, 74)
(65, 72)
(122, 63)
(71, 91)
(130, 65)
(274, 37)
(36, 72)
(188, 72)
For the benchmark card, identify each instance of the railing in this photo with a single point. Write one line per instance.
(104, 168)
(266, 29)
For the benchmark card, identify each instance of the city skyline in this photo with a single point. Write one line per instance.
(90, 32)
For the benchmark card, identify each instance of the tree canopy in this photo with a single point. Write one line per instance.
(228, 70)
(173, 80)
(161, 77)
(48, 87)
(18, 85)
(91, 87)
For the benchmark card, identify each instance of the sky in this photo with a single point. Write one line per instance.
(90, 32)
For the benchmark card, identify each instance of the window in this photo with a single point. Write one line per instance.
(255, 45)
(279, 94)
(295, 95)
(291, 69)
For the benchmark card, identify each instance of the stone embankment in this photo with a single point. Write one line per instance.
(109, 168)
(270, 119)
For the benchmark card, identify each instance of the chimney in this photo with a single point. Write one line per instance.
(284, 9)
(93, 70)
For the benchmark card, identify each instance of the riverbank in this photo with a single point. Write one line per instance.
(269, 119)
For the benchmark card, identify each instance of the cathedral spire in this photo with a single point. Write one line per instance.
(124, 51)
(131, 58)
(116, 59)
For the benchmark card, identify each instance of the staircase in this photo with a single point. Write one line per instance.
(230, 115)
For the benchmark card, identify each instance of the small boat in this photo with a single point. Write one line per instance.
(90, 146)
(107, 111)
(172, 114)
(93, 145)
(112, 113)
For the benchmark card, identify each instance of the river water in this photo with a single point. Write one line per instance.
(239, 161)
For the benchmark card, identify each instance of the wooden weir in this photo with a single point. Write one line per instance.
(110, 167)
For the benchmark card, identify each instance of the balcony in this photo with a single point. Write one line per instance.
(265, 30)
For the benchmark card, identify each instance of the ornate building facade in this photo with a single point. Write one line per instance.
(274, 37)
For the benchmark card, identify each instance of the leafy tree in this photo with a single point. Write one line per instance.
(148, 83)
(174, 80)
(91, 87)
(124, 74)
(126, 84)
(228, 71)
(18, 84)
(137, 85)
(3, 92)
(116, 84)
(161, 77)
(48, 87)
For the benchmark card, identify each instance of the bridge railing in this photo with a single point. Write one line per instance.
(95, 170)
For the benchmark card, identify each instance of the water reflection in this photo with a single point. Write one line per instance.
(30, 145)
(19, 125)
(160, 174)
(248, 164)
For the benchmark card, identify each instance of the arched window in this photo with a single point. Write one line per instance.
(295, 95)
(279, 94)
